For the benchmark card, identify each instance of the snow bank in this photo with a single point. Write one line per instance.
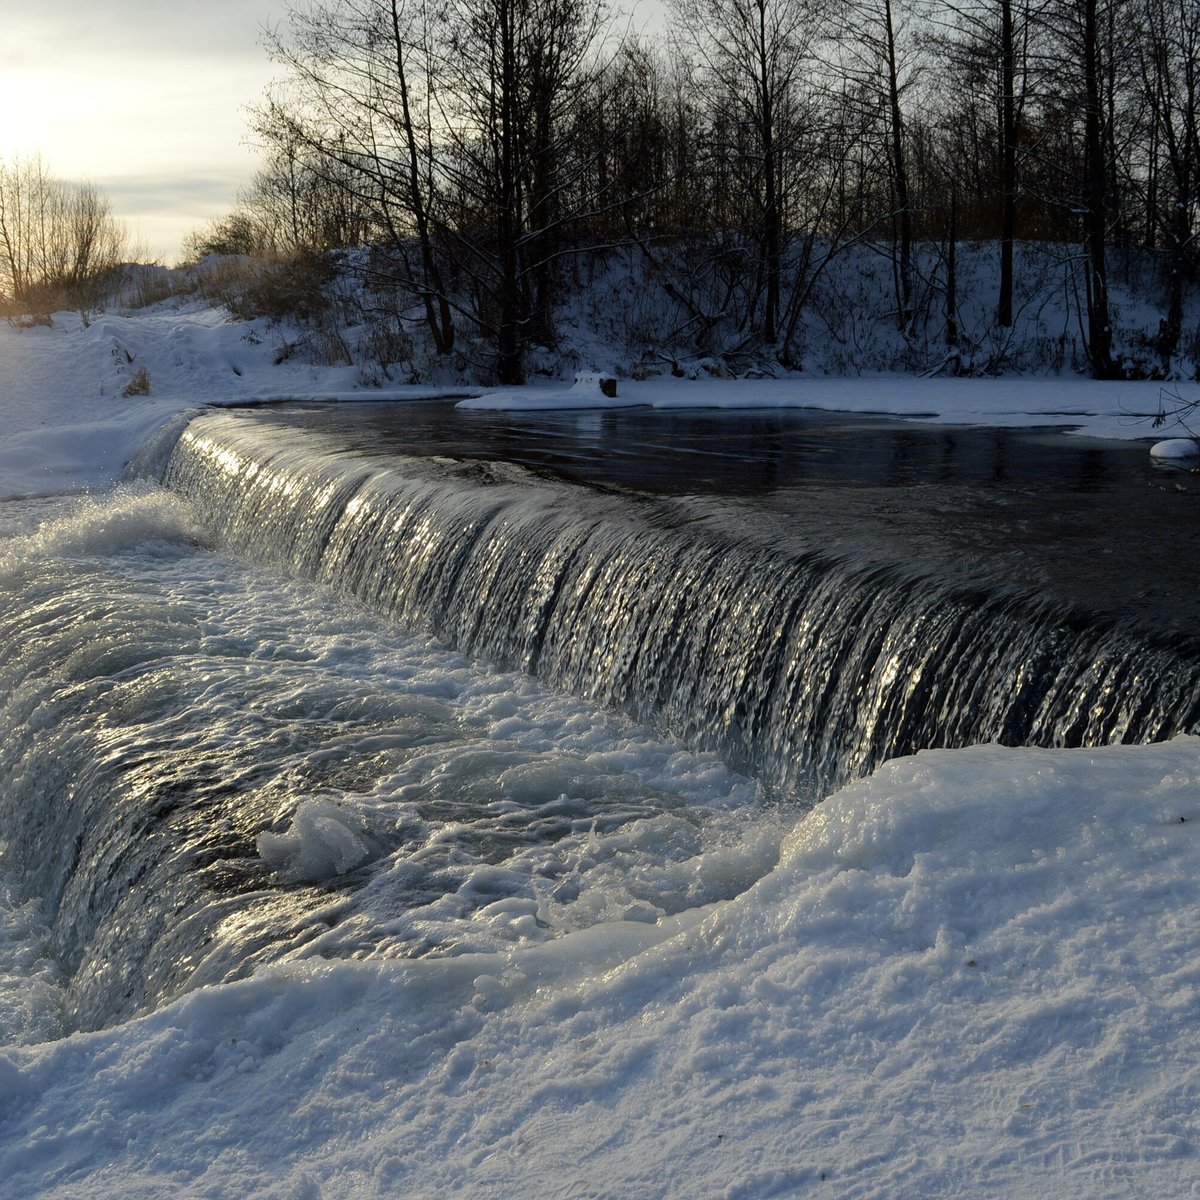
(54, 459)
(67, 424)
(588, 391)
(70, 415)
(1118, 410)
(972, 974)
(1175, 448)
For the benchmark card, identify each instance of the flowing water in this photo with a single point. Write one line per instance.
(363, 684)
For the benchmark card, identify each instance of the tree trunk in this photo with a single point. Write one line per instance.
(438, 316)
(772, 232)
(510, 366)
(952, 272)
(1095, 200)
(1008, 219)
(900, 172)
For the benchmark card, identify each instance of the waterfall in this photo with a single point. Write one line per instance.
(800, 668)
(204, 771)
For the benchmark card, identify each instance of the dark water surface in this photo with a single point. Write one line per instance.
(1094, 523)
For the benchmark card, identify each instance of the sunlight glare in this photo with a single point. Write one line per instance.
(34, 113)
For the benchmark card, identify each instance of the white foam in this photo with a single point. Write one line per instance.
(321, 842)
(107, 524)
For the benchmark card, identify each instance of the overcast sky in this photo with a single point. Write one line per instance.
(145, 98)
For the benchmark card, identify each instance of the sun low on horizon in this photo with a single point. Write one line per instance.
(146, 101)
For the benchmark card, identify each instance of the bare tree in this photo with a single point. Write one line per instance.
(1169, 73)
(753, 56)
(360, 102)
(1080, 45)
(984, 46)
(482, 147)
(460, 131)
(877, 56)
(517, 76)
(59, 243)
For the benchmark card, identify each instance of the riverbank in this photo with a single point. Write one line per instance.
(76, 400)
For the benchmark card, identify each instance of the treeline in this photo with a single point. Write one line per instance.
(481, 148)
(60, 246)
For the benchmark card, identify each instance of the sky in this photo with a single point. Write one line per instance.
(147, 99)
(144, 98)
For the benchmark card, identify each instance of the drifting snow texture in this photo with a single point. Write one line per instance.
(1175, 448)
(972, 974)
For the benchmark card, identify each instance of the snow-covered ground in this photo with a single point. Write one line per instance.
(65, 420)
(1111, 410)
(976, 973)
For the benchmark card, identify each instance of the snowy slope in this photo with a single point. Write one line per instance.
(65, 420)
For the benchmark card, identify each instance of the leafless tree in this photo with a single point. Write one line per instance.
(877, 55)
(360, 105)
(984, 47)
(753, 58)
(1169, 73)
(460, 131)
(518, 178)
(59, 243)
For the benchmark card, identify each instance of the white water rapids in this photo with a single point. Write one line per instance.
(470, 936)
(208, 766)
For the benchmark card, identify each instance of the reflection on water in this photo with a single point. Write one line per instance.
(727, 453)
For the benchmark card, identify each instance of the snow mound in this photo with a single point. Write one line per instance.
(588, 391)
(974, 973)
(1175, 448)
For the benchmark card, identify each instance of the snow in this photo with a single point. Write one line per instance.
(1106, 410)
(65, 423)
(974, 973)
(1110, 410)
(1175, 448)
(586, 393)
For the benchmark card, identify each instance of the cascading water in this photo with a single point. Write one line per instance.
(207, 766)
(796, 667)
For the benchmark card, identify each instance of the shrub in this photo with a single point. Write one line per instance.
(139, 385)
